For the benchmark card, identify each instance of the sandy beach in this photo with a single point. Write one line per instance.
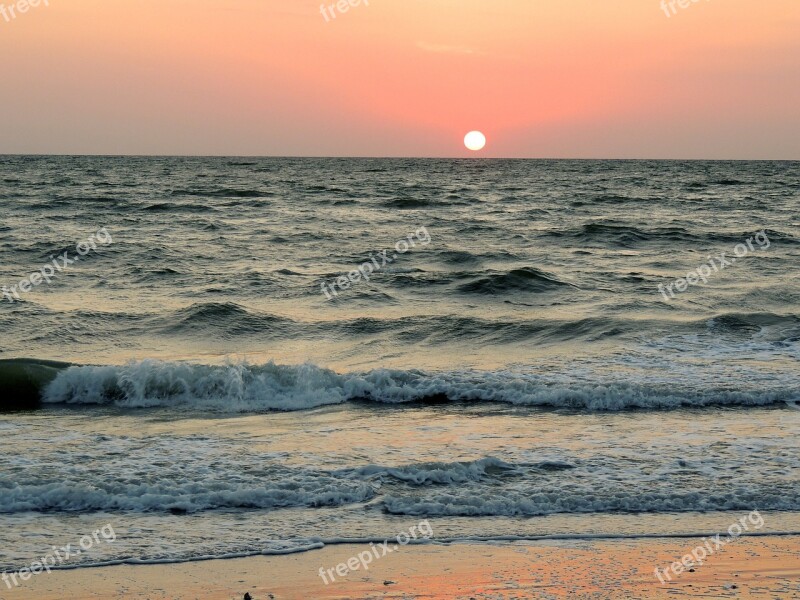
(752, 567)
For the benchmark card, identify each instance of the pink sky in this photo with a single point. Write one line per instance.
(541, 78)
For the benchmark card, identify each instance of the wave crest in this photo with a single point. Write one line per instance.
(239, 388)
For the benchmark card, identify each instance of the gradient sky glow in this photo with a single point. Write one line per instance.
(541, 78)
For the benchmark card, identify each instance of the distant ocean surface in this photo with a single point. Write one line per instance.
(518, 375)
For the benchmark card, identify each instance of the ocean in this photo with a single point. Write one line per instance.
(237, 356)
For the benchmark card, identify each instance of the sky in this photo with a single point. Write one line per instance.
(718, 79)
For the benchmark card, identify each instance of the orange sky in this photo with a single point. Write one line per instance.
(541, 78)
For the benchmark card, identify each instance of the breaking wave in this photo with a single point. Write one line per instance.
(243, 388)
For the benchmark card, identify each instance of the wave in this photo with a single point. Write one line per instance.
(533, 503)
(434, 473)
(23, 380)
(411, 202)
(184, 497)
(619, 234)
(230, 317)
(527, 279)
(269, 486)
(786, 325)
(224, 193)
(167, 207)
(485, 487)
(244, 388)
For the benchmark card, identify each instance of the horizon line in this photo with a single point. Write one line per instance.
(354, 157)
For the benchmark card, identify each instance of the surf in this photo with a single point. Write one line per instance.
(236, 388)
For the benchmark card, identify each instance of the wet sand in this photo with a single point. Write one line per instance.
(765, 567)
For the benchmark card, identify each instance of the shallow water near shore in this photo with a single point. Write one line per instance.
(242, 485)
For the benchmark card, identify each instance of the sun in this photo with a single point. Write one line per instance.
(475, 140)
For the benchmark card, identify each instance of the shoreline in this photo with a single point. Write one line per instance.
(754, 566)
(443, 542)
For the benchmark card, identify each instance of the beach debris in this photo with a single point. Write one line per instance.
(388, 582)
(247, 596)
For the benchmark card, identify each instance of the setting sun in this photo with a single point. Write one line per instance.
(475, 140)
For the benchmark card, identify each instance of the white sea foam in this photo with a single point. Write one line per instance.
(187, 496)
(239, 388)
(196, 486)
(482, 502)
